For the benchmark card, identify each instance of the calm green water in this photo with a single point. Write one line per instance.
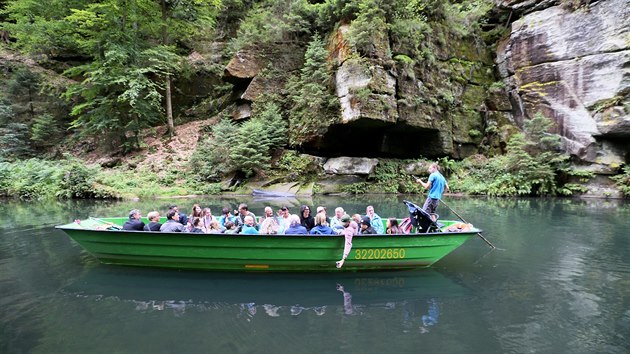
(560, 283)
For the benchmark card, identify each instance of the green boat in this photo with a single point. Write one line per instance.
(267, 253)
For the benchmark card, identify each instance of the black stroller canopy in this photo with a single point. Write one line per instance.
(420, 218)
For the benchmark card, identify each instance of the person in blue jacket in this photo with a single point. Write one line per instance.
(436, 186)
(321, 226)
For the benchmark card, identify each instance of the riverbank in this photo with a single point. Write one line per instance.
(76, 178)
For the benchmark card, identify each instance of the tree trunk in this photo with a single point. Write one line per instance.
(169, 107)
(167, 86)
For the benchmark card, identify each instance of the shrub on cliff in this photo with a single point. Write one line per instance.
(623, 181)
(314, 106)
(532, 165)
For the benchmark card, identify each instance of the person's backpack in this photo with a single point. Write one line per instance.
(406, 225)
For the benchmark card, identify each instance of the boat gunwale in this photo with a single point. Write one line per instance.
(416, 234)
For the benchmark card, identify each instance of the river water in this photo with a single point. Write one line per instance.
(559, 283)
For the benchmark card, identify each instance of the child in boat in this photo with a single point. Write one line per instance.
(196, 226)
(214, 227)
(392, 227)
(366, 226)
(230, 228)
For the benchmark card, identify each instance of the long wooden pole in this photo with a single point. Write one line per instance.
(462, 219)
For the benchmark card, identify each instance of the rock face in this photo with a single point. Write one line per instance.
(574, 66)
(246, 70)
(366, 91)
(350, 166)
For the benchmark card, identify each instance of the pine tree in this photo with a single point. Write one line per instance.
(314, 107)
(212, 159)
(274, 127)
(251, 150)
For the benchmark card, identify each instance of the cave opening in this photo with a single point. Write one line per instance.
(369, 138)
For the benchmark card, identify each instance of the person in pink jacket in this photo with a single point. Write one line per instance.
(348, 233)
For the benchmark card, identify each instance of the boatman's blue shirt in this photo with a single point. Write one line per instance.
(438, 182)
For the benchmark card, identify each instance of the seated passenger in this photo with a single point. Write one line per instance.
(392, 227)
(306, 219)
(226, 216)
(172, 223)
(248, 226)
(196, 211)
(206, 219)
(243, 211)
(375, 220)
(335, 221)
(366, 226)
(214, 227)
(322, 209)
(154, 221)
(283, 219)
(183, 219)
(196, 226)
(230, 228)
(295, 227)
(269, 224)
(134, 223)
(321, 226)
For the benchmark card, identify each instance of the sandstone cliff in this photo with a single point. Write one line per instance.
(569, 60)
(573, 65)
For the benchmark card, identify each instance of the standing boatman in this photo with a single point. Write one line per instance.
(436, 185)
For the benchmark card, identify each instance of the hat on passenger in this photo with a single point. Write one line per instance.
(366, 221)
(345, 218)
(320, 209)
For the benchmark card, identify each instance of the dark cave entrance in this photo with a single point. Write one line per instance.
(369, 138)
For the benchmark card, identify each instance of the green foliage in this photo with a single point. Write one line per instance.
(77, 181)
(45, 130)
(314, 106)
(6, 113)
(294, 165)
(251, 150)
(623, 181)
(212, 159)
(355, 188)
(119, 92)
(533, 165)
(388, 177)
(36, 25)
(14, 139)
(245, 149)
(39, 179)
(274, 127)
(273, 21)
(362, 36)
(143, 183)
(128, 43)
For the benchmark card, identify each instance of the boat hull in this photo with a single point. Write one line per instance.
(264, 252)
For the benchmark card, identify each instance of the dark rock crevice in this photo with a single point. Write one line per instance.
(371, 138)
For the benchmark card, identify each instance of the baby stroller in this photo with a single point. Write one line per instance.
(421, 219)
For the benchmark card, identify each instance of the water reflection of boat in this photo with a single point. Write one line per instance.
(169, 288)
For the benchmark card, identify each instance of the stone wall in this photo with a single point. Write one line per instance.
(573, 65)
